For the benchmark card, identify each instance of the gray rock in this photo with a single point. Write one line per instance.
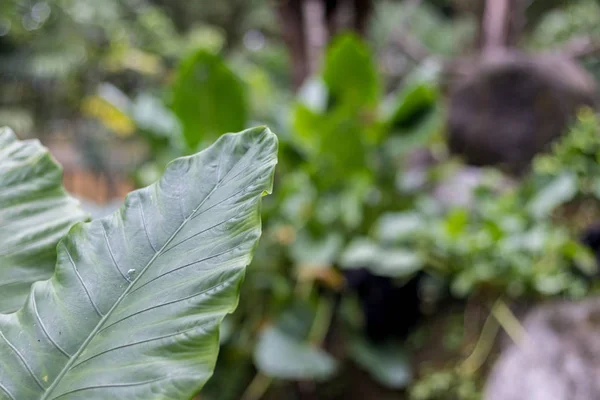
(559, 358)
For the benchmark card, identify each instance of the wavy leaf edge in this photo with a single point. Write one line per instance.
(226, 140)
(41, 209)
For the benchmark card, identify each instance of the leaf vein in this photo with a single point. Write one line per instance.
(23, 360)
(37, 315)
(219, 203)
(114, 385)
(5, 390)
(169, 302)
(112, 256)
(83, 283)
(182, 267)
(127, 291)
(124, 346)
(146, 227)
(199, 233)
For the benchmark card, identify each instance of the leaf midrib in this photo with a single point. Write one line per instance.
(98, 326)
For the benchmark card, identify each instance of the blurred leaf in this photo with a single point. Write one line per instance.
(456, 222)
(397, 263)
(560, 190)
(353, 199)
(227, 329)
(148, 173)
(108, 114)
(387, 363)
(313, 95)
(35, 213)
(19, 119)
(463, 283)
(336, 141)
(394, 227)
(206, 37)
(281, 356)
(439, 35)
(150, 114)
(360, 253)
(394, 262)
(307, 249)
(296, 319)
(54, 60)
(308, 126)
(131, 58)
(350, 72)
(412, 104)
(445, 384)
(208, 99)
(323, 274)
(583, 257)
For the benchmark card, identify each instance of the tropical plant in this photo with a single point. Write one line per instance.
(35, 213)
(135, 304)
(208, 98)
(347, 131)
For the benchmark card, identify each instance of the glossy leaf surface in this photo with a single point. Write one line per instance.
(35, 213)
(134, 307)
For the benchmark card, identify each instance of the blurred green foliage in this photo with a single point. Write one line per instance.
(208, 98)
(347, 133)
(502, 242)
(170, 75)
(446, 384)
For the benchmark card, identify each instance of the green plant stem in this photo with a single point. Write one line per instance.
(483, 346)
(502, 317)
(258, 387)
(303, 289)
(322, 321)
(509, 322)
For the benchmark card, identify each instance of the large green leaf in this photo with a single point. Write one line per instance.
(35, 213)
(134, 307)
(208, 98)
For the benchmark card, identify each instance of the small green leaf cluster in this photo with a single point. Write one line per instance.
(577, 153)
(446, 384)
(502, 241)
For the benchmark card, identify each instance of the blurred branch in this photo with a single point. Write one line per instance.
(290, 17)
(412, 48)
(315, 31)
(484, 345)
(257, 388)
(581, 47)
(495, 25)
(407, 43)
(502, 23)
(509, 322)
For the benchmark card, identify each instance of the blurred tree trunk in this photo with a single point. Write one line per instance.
(292, 26)
(307, 26)
(501, 24)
